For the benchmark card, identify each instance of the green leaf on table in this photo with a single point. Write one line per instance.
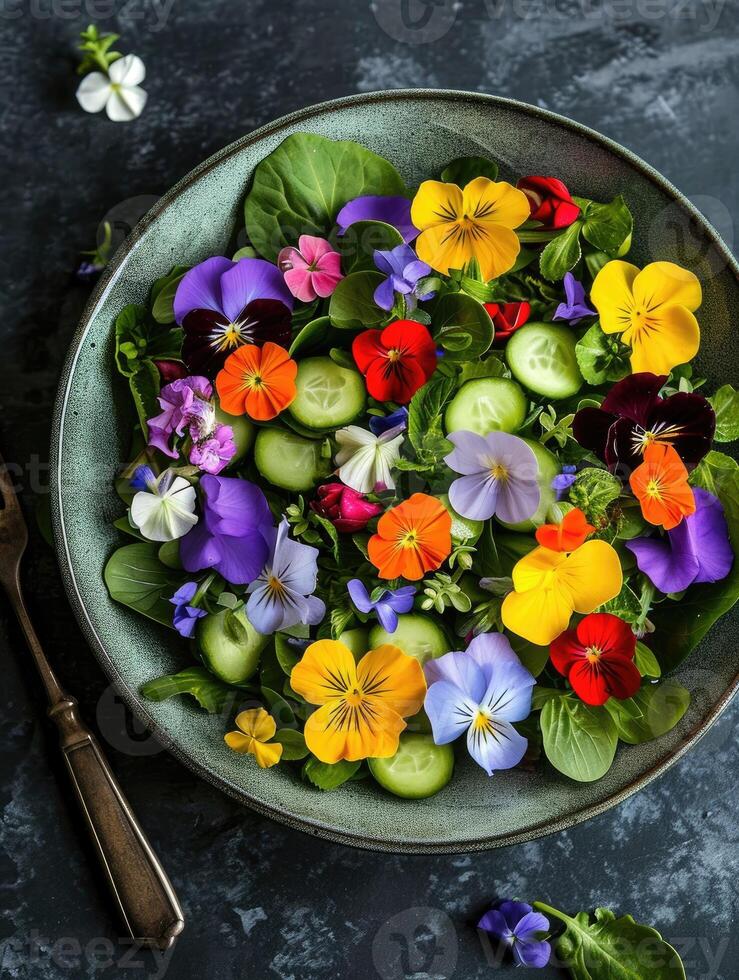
(651, 712)
(579, 740)
(561, 254)
(163, 293)
(359, 242)
(352, 305)
(293, 744)
(602, 357)
(136, 578)
(646, 662)
(462, 326)
(199, 683)
(608, 226)
(326, 776)
(464, 169)
(302, 185)
(725, 404)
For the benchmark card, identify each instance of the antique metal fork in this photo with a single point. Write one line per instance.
(143, 893)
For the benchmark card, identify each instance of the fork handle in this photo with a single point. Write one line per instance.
(139, 884)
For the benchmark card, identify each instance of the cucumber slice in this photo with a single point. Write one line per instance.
(244, 432)
(548, 469)
(463, 528)
(229, 645)
(417, 635)
(542, 357)
(418, 769)
(357, 640)
(486, 405)
(328, 395)
(289, 461)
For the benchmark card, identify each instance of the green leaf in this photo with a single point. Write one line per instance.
(208, 691)
(726, 406)
(561, 254)
(279, 708)
(315, 336)
(293, 744)
(287, 653)
(303, 184)
(646, 662)
(593, 491)
(541, 695)
(608, 226)
(653, 710)
(359, 242)
(352, 304)
(123, 524)
(579, 740)
(425, 419)
(145, 385)
(461, 326)
(613, 949)
(163, 293)
(601, 357)
(464, 169)
(330, 530)
(327, 776)
(492, 367)
(136, 578)
(169, 554)
(625, 605)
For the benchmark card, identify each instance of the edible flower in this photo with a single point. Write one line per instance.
(697, 550)
(550, 585)
(362, 705)
(381, 423)
(214, 452)
(257, 381)
(256, 728)
(395, 211)
(517, 926)
(119, 92)
(412, 538)
(222, 304)
(282, 595)
(365, 460)
(564, 480)
(652, 310)
(233, 535)
(550, 202)
(475, 223)
(660, 484)
(597, 658)
(574, 308)
(165, 510)
(396, 361)
(403, 270)
(186, 405)
(347, 510)
(568, 535)
(311, 270)
(481, 691)
(499, 476)
(507, 318)
(185, 616)
(633, 416)
(386, 606)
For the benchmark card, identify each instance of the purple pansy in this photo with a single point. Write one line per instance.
(575, 307)
(186, 404)
(234, 533)
(564, 480)
(223, 304)
(282, 595)
(386, 607)
(481, 692)
(697, 550)
(518, 926)
(499, 476)
(215, 451)
(382, 423)
(395, 211)
(403, 270)
(185, 616)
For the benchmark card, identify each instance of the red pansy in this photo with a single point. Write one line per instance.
(507, 318)
(395, 361)
(597, 658)
(566, 536)
(550, 201)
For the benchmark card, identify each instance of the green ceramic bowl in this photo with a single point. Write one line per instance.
(420, 131)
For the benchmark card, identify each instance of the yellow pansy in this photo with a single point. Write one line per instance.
(652, 310)
(257, 727)
(362, 705)
(475, 223)
(550, 585)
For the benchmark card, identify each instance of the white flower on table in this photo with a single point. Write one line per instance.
(118, 92)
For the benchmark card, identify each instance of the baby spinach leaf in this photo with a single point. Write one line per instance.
(726, 406)
(579, 740)
(315, 336)
(461, 326)
(352, 305)
(425, 420)
(464, 169)
(279, 708)
(646, 662)
(293, 744)
(561, 254)
(136, 578)
(608, 226)
(601, 357)
(199, 683)
(163, 293)
(327, 776)
(359, 242)
(651, 712)
(288, 652)
(303, 184)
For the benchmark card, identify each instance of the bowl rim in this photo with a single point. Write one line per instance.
(306, 824)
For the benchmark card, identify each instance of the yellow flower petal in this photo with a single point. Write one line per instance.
(538, 615)
(238, 742)
(667, 284)
(338, 731)
(532, 571)
(496, 249)
(495, 201)
(612, 295)
(257, 723)
(444, 247)
(267, 755)
(436, 203)
(591, 575)
(672, 337)
(326, 671)
(391, 675)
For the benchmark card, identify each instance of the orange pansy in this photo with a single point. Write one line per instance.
(661, 486)
(412, 538)
(257, 381)
(566, 536)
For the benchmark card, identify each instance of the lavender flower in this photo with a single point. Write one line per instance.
(575, 308)
(564, 480)
(185, 616)
(403, 270)
(186, 406)
(516, 925)
(214, 452)
(386, 607)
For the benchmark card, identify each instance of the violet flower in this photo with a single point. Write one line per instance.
(185, 616)
(518, 926)
(381, 423)
(186, 405)
(575, 307)
(215, 451)
(395, 211)
(386, 607)
(499, 476)
(403, 270)
(234, 533)
(564, 480)
(697, 550)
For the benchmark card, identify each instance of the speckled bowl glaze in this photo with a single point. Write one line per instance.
(420, 131)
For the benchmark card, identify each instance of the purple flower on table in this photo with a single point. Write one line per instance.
(697, 550)
(403, 270)
(186, 405)
(222, 305)
(382, 423)
(480, 691)
(574, 308)
(215, 451)
(185, 616)
(386, 607)
(520, 928)
(564, 480)
(234, 533)
(395, 211)
(282, 595)
(499, 476)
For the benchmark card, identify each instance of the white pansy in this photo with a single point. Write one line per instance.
(364, 459)
(166, 510)
(117, 92)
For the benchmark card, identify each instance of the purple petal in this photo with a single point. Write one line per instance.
(489, 650)
(264, 610)
(469, 453)
(237, 505)
(184, 594)
(497, 747)
(449, 710)
(508, 695)
(635, 397)
(200, 288)
(242, 558)
(517, 500)
(529, 925)
(387, 616)
(384, 295)
(416, 270)
(513, 912)
(382, 423)
(494, 922)
(475, 496)
(532, 953)
(710, 534)
(401, 600)
(459, 669)
(199, 549)
(251, 279)
(359, 595)
(395, 211)
(668, 563)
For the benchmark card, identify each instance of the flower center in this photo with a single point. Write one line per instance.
(353, 697)
(253, 381)
(593, 654)
(499, 472)
(654, 489)
(393, 355)
(275, 587)
(409, 539)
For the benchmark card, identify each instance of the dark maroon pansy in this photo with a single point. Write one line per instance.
(209, 337)
(633, 415)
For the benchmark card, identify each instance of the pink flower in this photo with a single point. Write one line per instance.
(215, 451)
(347, 510)
(311, 270)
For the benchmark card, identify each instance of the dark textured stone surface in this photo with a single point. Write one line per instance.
(261, 900)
